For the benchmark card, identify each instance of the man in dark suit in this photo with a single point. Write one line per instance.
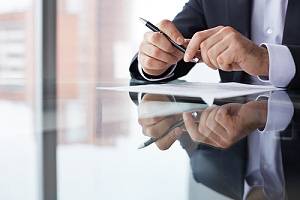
(249, 41)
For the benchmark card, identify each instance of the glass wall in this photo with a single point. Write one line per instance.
(18, 141)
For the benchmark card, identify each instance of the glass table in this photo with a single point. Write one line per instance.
(240, 148)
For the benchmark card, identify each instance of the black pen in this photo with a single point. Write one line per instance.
(156, 29)
(152, 140)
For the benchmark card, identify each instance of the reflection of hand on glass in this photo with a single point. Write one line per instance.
(222, 126)
(155, 127)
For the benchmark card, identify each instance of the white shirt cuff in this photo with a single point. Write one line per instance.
(282, 67)
(169, 75)
(280, 112)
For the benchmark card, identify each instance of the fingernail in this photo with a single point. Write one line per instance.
(195, 60)
(187, 58)
(179, 40)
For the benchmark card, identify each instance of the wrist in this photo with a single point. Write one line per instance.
(258, 112)
(264, 61)
(262, 113)
(155, 73)
(165, 75)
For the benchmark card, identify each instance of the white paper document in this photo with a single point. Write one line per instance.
(207, 91)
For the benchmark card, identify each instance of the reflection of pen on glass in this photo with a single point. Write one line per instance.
(177, 124)
(156, 29)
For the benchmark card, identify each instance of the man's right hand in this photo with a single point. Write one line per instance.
(156, 53)
(222, 126)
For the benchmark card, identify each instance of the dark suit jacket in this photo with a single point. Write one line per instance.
(199, 15)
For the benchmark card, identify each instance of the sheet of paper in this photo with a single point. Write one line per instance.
(207, 91)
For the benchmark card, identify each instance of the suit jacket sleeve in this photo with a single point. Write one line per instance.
(189, 21)
(295, 51)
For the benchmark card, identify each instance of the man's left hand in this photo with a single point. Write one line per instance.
(226, 49)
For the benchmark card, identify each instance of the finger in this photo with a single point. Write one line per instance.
(160, 128)
(150, 121)
(152, 65)
(160, 41)
(224, 117)
(216, 128)
(178, 54)
(207, 44)
(202, 122)
(206, 60)
(155, 52)
(155, 97)
(214, 139)
(171, 30)
(186, 42)
(166, 142)
(226, 61)
(197, 39)
(192, 129)
(213, 39)
(214, 51)
(211, 138)
(198, 54)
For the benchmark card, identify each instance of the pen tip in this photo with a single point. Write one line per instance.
(141, 146)
(142, 20)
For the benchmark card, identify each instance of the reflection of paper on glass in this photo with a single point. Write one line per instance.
(150, 109)
(207, 91)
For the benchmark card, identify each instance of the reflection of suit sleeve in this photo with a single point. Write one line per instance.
(221, 170)
(291, 38)
(189, 21)
(295, 50)
(290, 147)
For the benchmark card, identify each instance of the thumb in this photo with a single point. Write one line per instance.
(186, 42)
(171, 30)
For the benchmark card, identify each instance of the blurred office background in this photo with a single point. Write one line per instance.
(96, 40)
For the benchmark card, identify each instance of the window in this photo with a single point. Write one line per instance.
(18, 154)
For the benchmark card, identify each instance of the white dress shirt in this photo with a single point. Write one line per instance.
(267, 25)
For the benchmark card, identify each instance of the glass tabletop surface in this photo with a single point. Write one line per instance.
(121, 145)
